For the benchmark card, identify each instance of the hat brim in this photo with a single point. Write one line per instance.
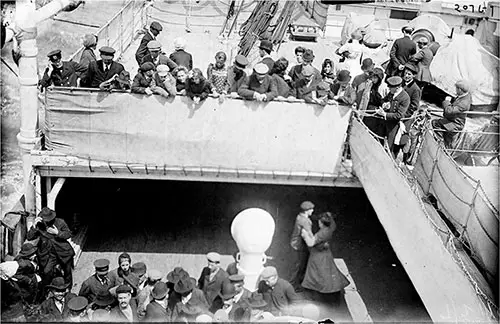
(49, 217)
(107, 56)
(28, 253)
(102, 272)
(63, 287)
(344, 82)
(159, 296)
(185, 290)
(163, 73)
(105, 302)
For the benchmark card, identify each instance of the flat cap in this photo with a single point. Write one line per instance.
(237, 278)
(54, 55)
(307, 70)
(139, 268)
(213, 257)
(268, 272)
(261, 68)
(78, 303)
(394, 81)
(106, 50)
(306, 205)
(156, 25)
(162, 69)
(463, 85)
(122, 289)
(241, 60)
(154, 274)
(154, 45)
(147, 66)
(407, 29)
(101, 265)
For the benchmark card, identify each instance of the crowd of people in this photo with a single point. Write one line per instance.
(38, 284)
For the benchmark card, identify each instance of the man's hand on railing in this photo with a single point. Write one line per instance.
(148, 91)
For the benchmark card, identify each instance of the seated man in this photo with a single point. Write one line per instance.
(454, 114)
(156, 57)
(59, 73)
(259, 86)
(103, 69)
(277, 292)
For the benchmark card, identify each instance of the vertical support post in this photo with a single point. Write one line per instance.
(51, 197)
(38, 192)
(121, 33)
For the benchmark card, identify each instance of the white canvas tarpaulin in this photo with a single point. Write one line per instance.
(439, 29)
(235, 134)
(371, 26)
(464, 58)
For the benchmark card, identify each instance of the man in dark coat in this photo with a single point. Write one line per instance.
(55, 307)
(259, 86)
(53, 246)
(242, 294)
(306, 84)
(454, 114)
(367, 67)
(394, 109)
(157, 310)
(307, 60)
(143, 80)
(212, 277)
(26, 275)
(156, 57)
(98, 283)
(400, 53)
(278, 293)
(125, 311)
(193, 300)
(154, 30)
(103, 69)
(302, 221)
(180, 56)
(265, 49)
(59, 73)
(236, 74)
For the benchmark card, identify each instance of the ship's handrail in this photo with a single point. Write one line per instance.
(120, 31)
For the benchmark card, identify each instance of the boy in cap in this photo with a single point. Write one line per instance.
(454, 114)
(125, 311)
(143, 81)
(265, 49)
(53, 246)
(157, 310)
(212, 277)
(156, 56)
(236, 74)
(401, 51)
(180, 56)
(395, 105)
(154, 30)
(277, 292)
(104, 69)
(259, 86)
(98, 283)
(59, 73)
(55, 307)
(302, 221)
(77, 310)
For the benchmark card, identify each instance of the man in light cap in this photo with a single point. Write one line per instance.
(104, 69)
(180, 56)
(259, 86)
(164, 82)
(302, 221)
(144, 297)
(125, 311)
(400, 53)
(154, 30)
(454, 114)
(277, 292)
(212, 277)
(236, 74)
(156, 56)
(143, 81)
(98, 283)
(394, 108)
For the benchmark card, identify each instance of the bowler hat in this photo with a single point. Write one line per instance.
(139, 268)
(47, 214)
(78, 303)
(107, 51)
(261, 68)
(394, 81)
(257, 301)
(241, 61)
(175, 275)
(58, 284)
(156, 25)
(103, 299)
(213, 257)
(101, 266)
(237, 278)
(160, 290)
(154, 45)
(184, 285)
(266, 45)
(147, 66)
(306, 205)
(54, 55)
(227, 291)
(412, 67)
(27, 249)
(344, 76)
(122, 289)
(308, 55)
(367, 64)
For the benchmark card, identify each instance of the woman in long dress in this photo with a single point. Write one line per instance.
(322, 275)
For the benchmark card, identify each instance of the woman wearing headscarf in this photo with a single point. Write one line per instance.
(322, 275)
(123, 275)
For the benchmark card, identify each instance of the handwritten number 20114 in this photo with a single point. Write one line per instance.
(480, 8)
